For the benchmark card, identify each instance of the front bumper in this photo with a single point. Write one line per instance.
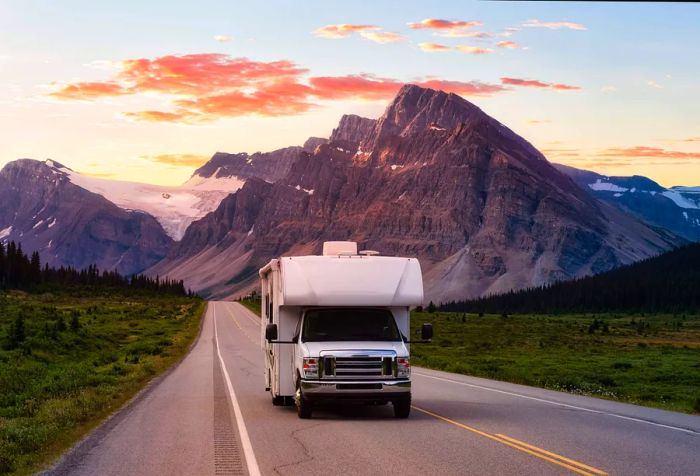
(355, 389)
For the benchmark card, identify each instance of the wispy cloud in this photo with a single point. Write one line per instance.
(438, 24)
(534, 83)
(433, 47)
(463, 34)
(87, 90)
(370, 32)
(538, 121)
(648, 152)
(608, 89)
(342, 30)
(382, 37)
(473, 50)
(653, 84)
(512, 45)
(553, 25)
(223, 38)
(179, 160)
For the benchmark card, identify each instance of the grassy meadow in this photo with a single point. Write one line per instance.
(68, 361)
(651, 360)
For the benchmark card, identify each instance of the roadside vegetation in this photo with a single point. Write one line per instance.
(646, 359)
(74, 347)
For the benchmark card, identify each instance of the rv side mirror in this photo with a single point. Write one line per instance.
(426, 332)
(271, 332)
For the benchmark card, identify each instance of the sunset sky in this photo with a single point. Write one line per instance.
(147, 91)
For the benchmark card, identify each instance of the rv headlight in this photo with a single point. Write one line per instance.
(310, 367)
(403, 367)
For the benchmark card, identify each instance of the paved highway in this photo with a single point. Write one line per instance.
(211, 415)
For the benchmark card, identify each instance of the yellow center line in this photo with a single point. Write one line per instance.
(239, 326)
(522, 443)
(582, 469)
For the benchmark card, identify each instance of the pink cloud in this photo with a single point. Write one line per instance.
(534, 83)
(90, 90)
(437, 24)
(433, 47)
(508, 44)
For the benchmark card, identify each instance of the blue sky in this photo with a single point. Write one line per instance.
(635, 67)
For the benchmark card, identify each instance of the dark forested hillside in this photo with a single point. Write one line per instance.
(667, 283)
(20, 271)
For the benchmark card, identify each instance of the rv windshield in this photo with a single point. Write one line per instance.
(350, 324)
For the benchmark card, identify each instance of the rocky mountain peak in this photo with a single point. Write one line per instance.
(352, 128)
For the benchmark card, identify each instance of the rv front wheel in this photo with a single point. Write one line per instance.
(402, 407)
(304, 407)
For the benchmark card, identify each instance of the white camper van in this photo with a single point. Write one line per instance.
(337, 327)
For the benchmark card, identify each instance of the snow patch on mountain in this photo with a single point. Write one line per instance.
(600, 186)
(175, 207)
(681, 200)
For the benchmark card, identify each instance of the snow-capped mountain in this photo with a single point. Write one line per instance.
(676, 209)
(175, 207)
(70, 226)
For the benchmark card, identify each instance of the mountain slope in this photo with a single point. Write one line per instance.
(665, 283)
(434, 177)
(676, 209)
(71, 226)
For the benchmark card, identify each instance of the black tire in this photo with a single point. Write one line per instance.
(278, 401)
(304, 407)
(402, 407)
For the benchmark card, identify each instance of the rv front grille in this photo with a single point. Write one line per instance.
(357, 367)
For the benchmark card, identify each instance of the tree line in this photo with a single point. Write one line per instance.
(666, 283)
(25, 272)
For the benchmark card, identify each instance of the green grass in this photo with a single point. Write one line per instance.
(62, 380)
(252, 304)
(651, 360)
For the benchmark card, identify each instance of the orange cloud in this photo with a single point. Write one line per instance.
(538, 121)
(179, 160)
(437, 24)
(473, 50)
(206, 87)
(342, 30)
(554, 25)
(90, 90)
(433, 47)
(508, 44)
(382, 37)
(533, 83)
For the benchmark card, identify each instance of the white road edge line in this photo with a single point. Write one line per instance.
(251, 462)
(551, 402)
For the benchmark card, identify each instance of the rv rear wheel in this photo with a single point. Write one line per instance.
(304, 407)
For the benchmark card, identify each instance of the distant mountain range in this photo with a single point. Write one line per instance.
(676, 209)
(433, 177)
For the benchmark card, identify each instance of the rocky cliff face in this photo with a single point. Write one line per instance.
(269, 166)
(352, 128)
(434, 177)
(68, 225)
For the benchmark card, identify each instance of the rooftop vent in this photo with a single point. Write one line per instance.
(338, 248)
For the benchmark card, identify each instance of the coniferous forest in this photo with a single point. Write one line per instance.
(21, 271)
(666, 283)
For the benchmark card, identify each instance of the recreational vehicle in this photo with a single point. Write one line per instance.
(336, 328)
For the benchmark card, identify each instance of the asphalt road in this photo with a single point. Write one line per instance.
(211, 415)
